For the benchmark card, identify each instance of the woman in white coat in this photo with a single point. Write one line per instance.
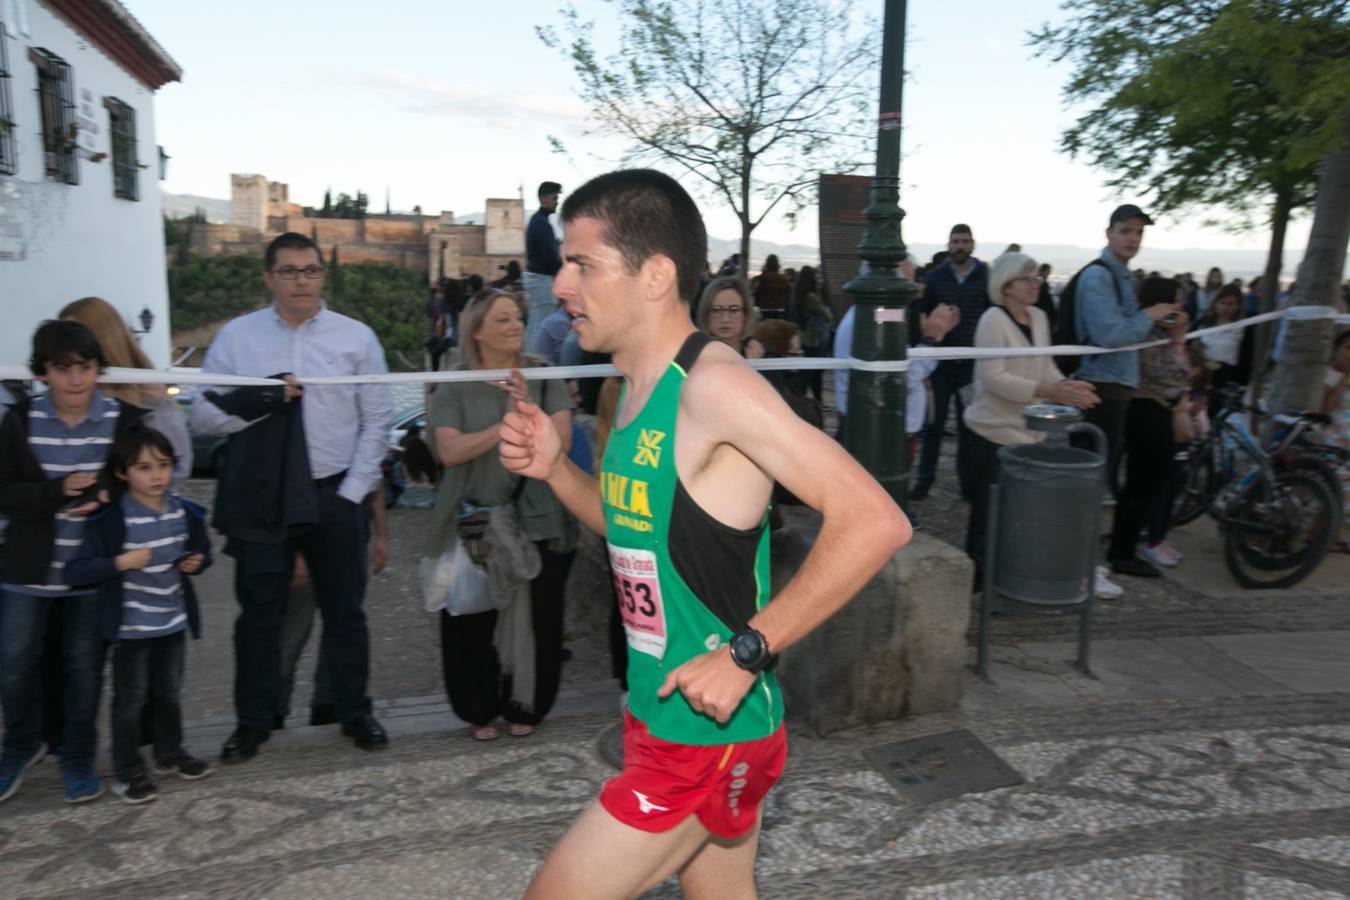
(1003, 386)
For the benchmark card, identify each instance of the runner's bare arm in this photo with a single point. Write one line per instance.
(862, 526)
(531, 444)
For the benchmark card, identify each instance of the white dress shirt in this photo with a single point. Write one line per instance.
(916, 398)
(346, 425)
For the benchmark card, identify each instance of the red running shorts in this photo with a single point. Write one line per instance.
(663, 783)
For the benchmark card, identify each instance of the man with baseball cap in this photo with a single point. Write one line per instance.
(1108, 315)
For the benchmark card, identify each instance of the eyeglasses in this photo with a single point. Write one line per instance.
(726, 310)
(1034, 279)
(290, 273)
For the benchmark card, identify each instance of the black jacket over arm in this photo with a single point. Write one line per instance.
(266, 493)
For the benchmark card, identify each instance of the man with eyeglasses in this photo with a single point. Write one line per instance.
(298, 464)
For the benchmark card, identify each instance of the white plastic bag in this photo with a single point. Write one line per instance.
(454, 583)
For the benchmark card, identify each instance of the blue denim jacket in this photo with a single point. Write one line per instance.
(1108, 316)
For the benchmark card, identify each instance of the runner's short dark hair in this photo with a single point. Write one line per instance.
(646, 213)
(59, 342)
(549, 187)
(291, 240)
(961, 228)
(127, 446)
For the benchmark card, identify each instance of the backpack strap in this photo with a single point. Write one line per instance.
(1109, 274)
(690, 350)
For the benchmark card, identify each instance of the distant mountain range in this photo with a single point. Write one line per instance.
(1064, 258)
(180, 206)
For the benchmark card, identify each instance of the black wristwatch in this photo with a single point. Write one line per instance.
(750, 651)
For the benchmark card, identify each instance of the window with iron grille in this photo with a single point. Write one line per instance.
(56, 101)
(9, 162)
(125, 166)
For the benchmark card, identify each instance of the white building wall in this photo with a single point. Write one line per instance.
(60, 242)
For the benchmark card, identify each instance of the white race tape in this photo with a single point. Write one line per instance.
(796, 363)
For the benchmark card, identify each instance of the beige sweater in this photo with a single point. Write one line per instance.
(1004, 386)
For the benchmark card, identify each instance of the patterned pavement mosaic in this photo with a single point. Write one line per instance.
(1183, 799)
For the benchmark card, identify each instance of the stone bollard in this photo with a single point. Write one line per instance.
(897, 649)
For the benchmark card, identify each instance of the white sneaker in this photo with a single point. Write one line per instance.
(1159, 555)
(1106, 589)
(1176, 554)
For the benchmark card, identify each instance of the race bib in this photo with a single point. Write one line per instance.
(639, 592)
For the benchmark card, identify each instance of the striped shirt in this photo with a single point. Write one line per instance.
(152, 598)
(60, 450)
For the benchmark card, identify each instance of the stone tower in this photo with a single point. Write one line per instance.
(505, 221)
(249, 201)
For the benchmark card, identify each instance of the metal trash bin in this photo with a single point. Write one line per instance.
(1049, 508)
(1044, 519)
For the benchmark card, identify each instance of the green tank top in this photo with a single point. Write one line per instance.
(685, 581)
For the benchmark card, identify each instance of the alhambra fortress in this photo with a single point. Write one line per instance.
(261, 209)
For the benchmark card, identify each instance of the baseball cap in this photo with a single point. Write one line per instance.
(1129, 211)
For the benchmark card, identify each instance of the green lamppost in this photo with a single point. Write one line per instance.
(874, 431)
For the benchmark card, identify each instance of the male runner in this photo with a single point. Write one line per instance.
(697, 444)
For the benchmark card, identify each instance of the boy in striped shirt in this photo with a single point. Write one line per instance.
(52, 448)
(138, 552)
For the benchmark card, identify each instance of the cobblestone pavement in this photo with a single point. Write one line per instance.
(1238, 793)
(1248, 798)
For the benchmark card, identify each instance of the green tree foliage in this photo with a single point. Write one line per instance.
(391, 300)
(754, 98)
(345, 207)
(1207, 103)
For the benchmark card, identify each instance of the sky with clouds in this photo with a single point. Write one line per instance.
(446, 102)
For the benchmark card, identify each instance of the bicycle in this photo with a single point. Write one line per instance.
(1277, 523)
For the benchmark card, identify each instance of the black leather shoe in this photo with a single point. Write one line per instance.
(366, 732)
(278, 722)
(918, 492)
(323, 714)
(243, 744)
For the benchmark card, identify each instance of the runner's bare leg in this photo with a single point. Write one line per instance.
(724, 869)
(599, 858)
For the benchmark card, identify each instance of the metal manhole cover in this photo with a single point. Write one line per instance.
(941, 766)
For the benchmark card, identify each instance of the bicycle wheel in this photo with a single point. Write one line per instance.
(1190, 500)
(1317, 466)
(1279, 533)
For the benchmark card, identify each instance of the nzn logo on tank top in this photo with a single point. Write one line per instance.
(649, 448)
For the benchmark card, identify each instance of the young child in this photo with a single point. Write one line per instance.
(52, 448)
(137, 552)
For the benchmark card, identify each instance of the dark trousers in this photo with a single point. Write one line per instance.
(147, 670)
(1160, 512)
(335, 552)
(300, 609)
(984, 473)
(1150, 448)
(946, 384)
(1109, 416)
(23, 623)
(474, 683)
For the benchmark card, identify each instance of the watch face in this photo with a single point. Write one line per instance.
(746, 648)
